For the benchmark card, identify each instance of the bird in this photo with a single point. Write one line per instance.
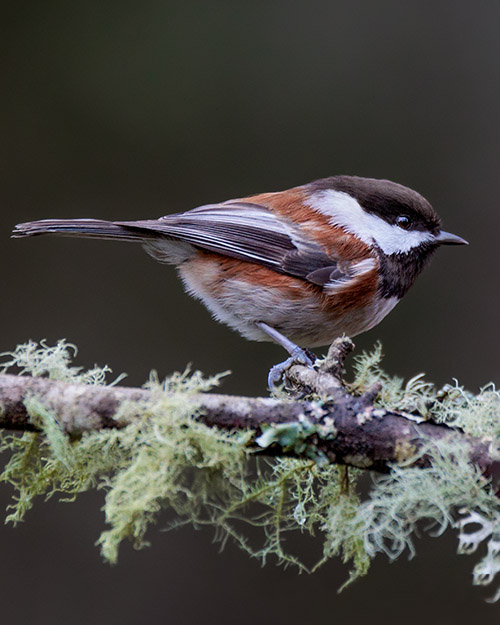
(300, 267)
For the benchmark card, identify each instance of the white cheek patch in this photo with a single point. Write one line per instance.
(343, 210)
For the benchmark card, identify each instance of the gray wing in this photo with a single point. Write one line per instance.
(248, 232)
(253, 233)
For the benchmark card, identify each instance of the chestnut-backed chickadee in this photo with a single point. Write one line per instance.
(311, 263)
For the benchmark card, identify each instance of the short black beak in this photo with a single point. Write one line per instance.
(446, 238)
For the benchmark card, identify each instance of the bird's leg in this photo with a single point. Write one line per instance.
(298, 356)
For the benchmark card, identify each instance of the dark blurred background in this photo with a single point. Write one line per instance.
(125, 110)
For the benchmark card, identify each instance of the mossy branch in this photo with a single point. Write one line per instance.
(434, 455)
(344, 429)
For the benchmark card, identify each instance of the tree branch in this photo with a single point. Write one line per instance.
(346, 429)
(321, 419)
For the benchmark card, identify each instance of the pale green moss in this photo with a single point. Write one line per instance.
(169, 460)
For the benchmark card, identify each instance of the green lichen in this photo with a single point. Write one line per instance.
(169, 460)
(295, 437)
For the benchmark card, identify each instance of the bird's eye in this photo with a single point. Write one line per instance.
(403, 221)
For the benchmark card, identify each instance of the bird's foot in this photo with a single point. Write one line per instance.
(277, 373)
(298, 356)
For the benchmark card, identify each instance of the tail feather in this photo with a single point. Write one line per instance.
(88, 228)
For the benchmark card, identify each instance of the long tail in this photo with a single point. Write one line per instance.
(88, 228)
